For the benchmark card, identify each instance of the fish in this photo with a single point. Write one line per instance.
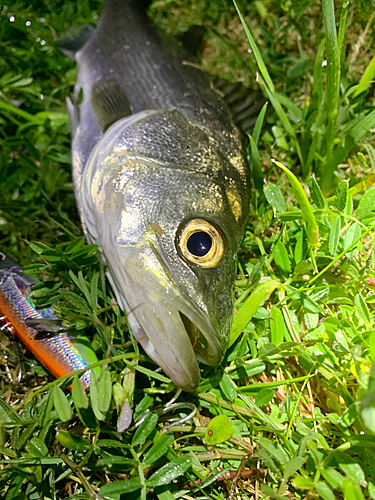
(39, 330)
(162, 187)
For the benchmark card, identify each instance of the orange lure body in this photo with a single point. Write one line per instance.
(54, 350)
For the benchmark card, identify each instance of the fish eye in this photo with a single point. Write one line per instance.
(201, 243)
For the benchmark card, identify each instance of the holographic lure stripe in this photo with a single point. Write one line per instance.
(57, 352)
(63, 349)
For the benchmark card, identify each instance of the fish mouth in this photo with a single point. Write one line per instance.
(176, 339)
(171, 328)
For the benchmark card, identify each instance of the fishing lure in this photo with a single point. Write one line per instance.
(52, 348)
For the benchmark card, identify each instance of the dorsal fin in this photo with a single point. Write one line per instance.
(109, 102)
(74, 39)
(244, 104)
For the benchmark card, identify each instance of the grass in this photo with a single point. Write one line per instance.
(290, 413)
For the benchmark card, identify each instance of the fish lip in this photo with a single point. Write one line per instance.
(187, 376)
(171, 349)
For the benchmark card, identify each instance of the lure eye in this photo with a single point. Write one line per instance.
(201, 243)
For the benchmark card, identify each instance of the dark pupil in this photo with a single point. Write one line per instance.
(199, 244)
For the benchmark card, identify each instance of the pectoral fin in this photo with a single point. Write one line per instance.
(109, 102)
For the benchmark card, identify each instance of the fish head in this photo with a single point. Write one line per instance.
(168, 206)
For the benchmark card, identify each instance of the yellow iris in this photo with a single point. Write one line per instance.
(212, 250)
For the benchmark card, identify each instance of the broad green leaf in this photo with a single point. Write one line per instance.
(14, 487)
(277, 326)
(352, 234)
(110, 491)
(312, 230)
(264, 396)
(341, 195)
(371, 489)
(79, 394)
(220, 429)
(353, 470)
(160, 447)
(316, 192)
(170, 471)
(145, 429)
(303, 482)
(352, 491)
(94, 396)
(87, 417)
(142, 406)
(324, 491)
(76, 302)
(250, 307)
(62, 405)
(39, 247)
(334, 236)
(275, 197)
(281, 258)
(366, 204)
(165, 495)
(303, 267)
(73, 441)
(228, 387)
(105, 391)
(368, 417)
(333, 477)
(292, 466)
(349, 416)
(37, 447)
(84, 347)
(362, 308)
(275, 450)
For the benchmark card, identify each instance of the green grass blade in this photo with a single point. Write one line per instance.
(256, 164)
(250, 307)
(259, 123)
(367, 78)
(261, 65)
(333, 87)
(357, 133)
(343, 26)
(318, 72)
(282, 116)
(307, 212)
(268, 84)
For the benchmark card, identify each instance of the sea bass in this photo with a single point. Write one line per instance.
(162, 186)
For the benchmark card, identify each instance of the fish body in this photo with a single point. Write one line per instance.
(55, 351)
(162, 188)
